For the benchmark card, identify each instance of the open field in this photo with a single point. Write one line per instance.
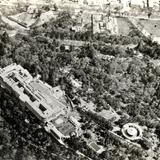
(123, 25)
(151, 26)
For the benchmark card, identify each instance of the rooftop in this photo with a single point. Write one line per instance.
(34, 91)
(40, 98)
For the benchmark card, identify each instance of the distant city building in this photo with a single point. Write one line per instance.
(74, 1)
(41, 99)
(142, 3)
(94, 3)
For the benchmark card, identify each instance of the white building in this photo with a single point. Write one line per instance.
(32, 9)
(39, 98)
(90, 2)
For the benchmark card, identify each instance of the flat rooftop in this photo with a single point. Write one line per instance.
(39, 94)
(47, 95)
(39, 97)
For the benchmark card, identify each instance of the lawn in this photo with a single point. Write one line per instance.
(151, 26)
(123, 26)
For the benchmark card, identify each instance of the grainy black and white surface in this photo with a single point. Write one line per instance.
(79, 79)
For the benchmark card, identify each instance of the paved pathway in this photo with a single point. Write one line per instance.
(12, 23)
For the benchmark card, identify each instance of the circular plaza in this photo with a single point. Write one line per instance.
(132, 131)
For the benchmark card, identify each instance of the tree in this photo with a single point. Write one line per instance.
(55, 7)
(5, 38)
(87, 135)
(145, 144)
(148, 4)
(139, 47)
(157, 131)
(2, 49)
(64, 19)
